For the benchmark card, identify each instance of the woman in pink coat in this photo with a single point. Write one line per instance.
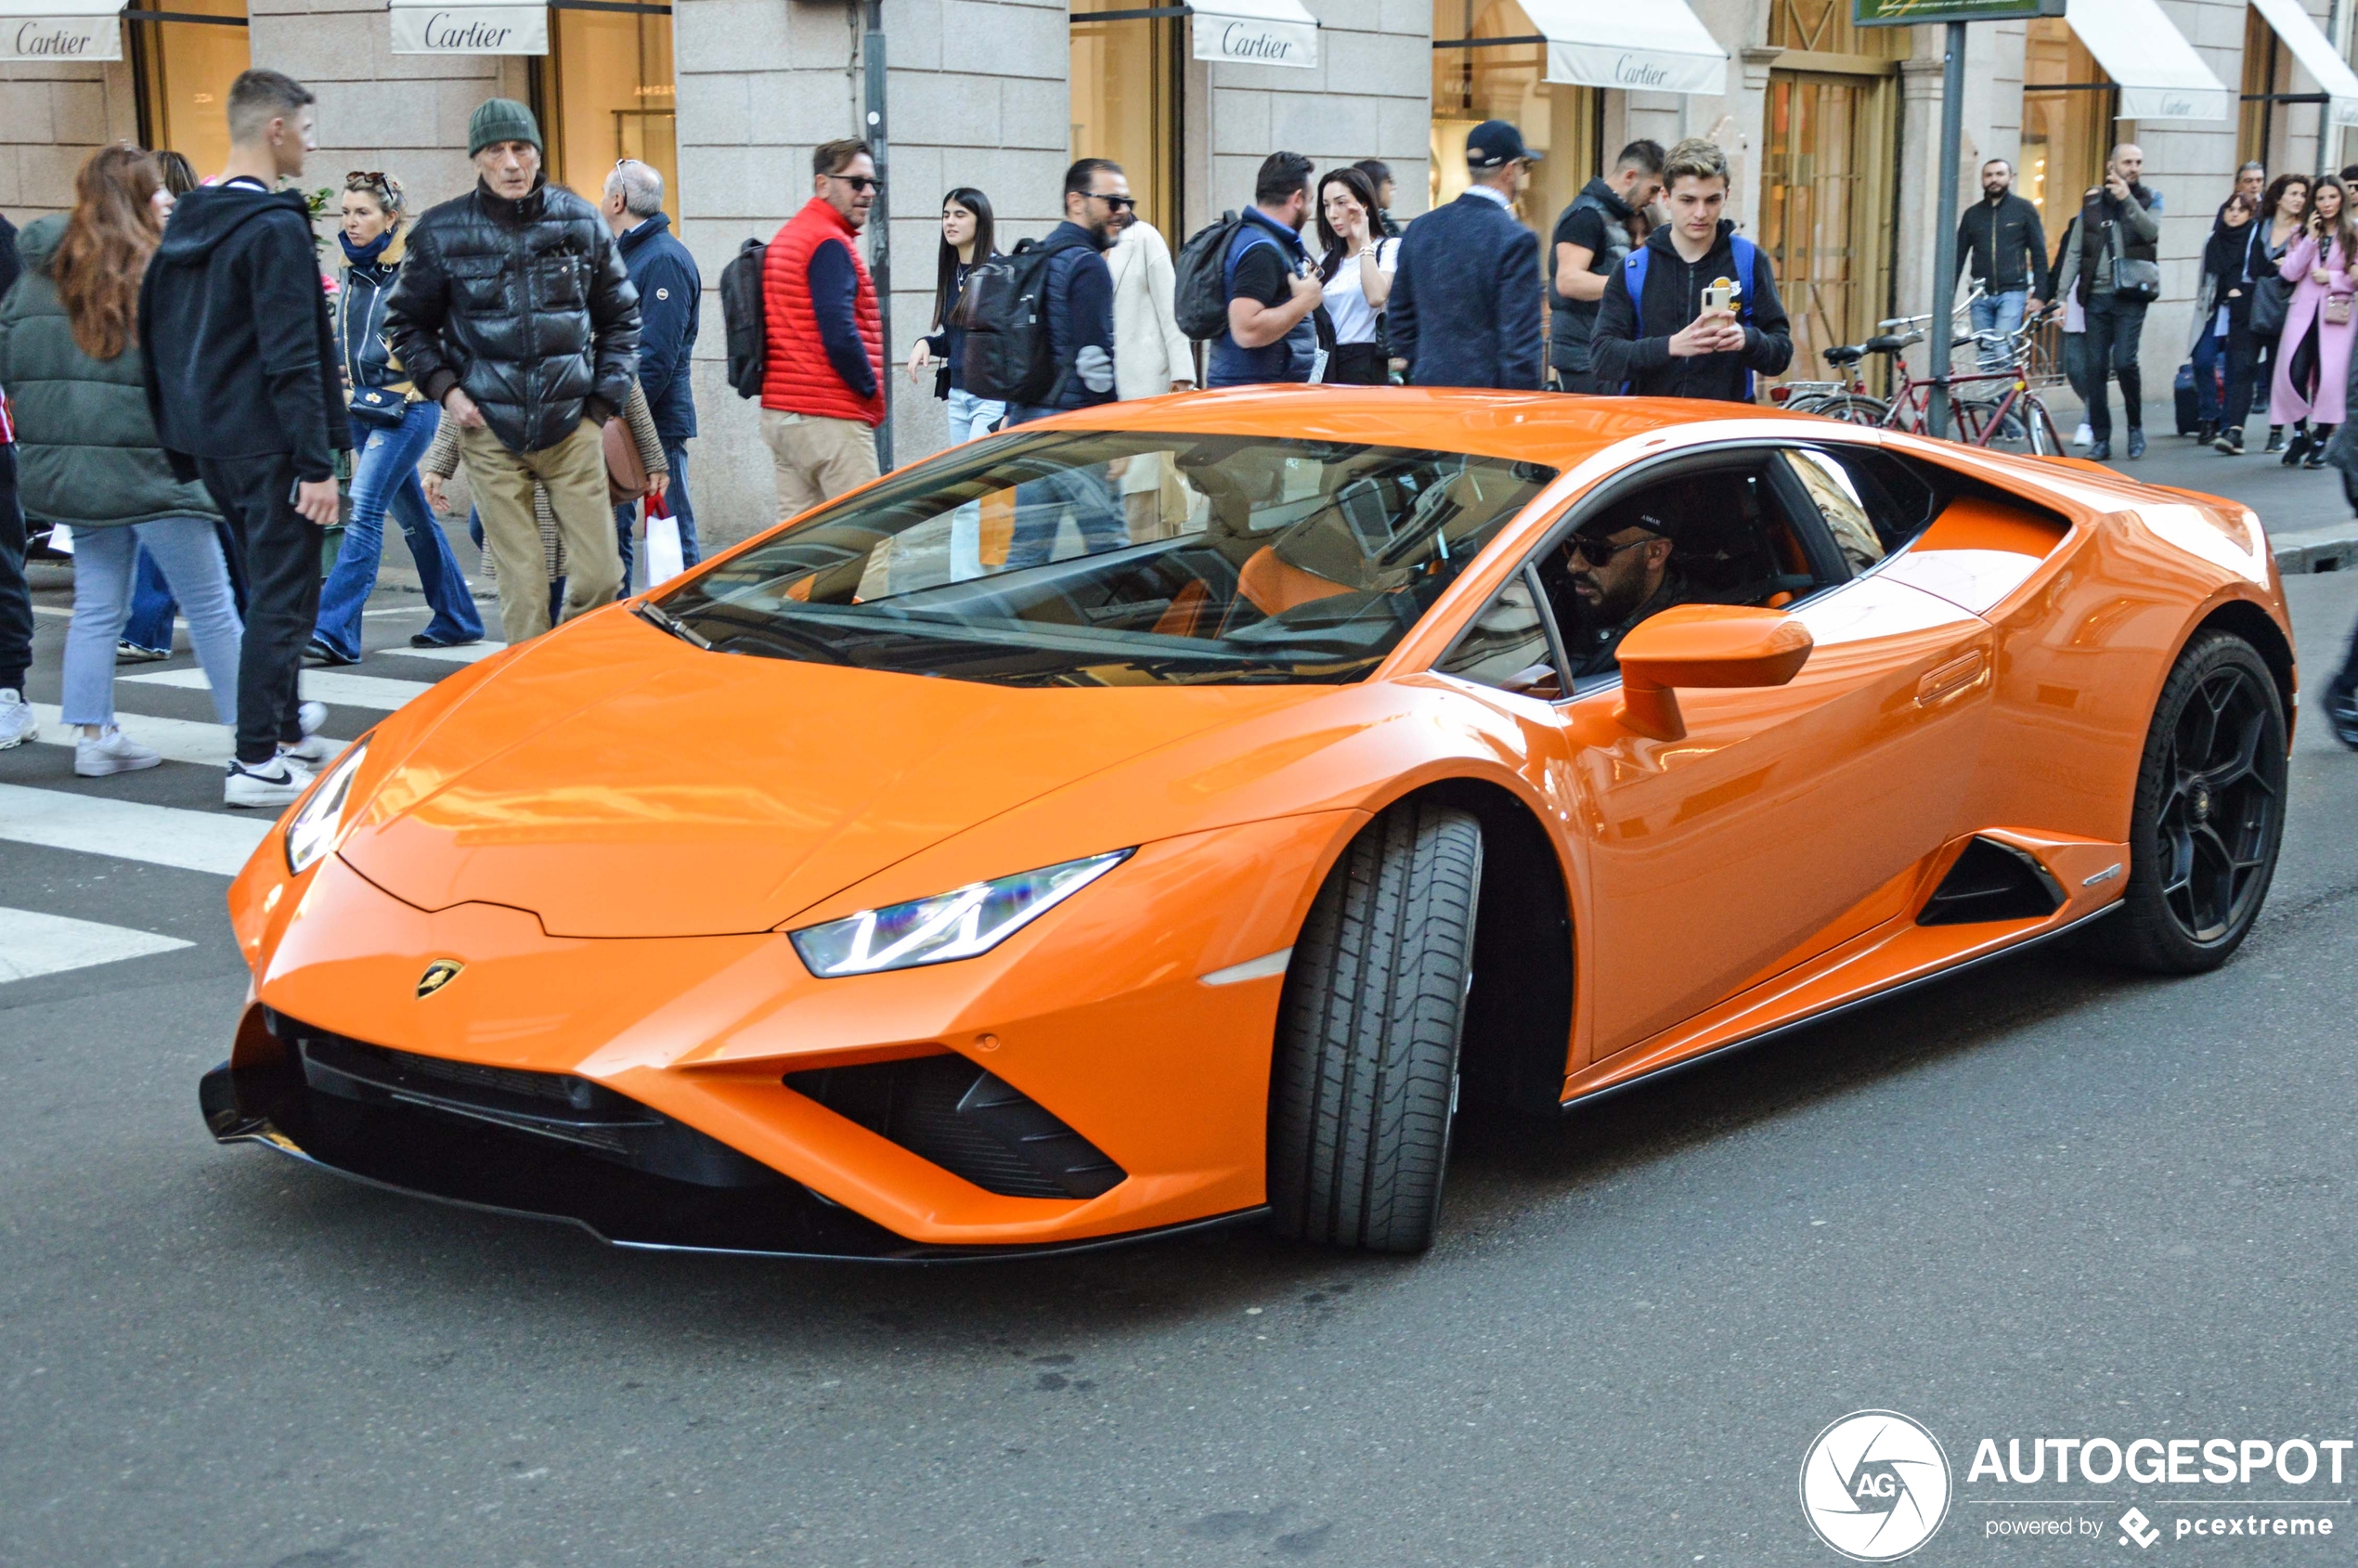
(2312, 367)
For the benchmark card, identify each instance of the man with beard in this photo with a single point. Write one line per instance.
(1618, 572)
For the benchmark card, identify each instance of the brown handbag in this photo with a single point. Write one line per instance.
(626, 476)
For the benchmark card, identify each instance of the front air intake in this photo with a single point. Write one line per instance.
(1991, 882)
(969, 1122)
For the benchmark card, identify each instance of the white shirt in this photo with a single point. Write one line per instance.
(1347, 305)
(1491, 193)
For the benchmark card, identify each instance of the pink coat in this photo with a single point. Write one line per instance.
(2284, 402)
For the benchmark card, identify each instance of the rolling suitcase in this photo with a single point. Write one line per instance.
(2189, 418)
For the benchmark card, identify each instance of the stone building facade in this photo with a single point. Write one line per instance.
(1830, 129)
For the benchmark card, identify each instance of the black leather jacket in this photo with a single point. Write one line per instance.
(525, 305)
(360, 321)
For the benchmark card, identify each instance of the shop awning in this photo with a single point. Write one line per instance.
(2316, 55)
(1660, 47)
(2160, 75)
(432, 27)
(1254, 33)
(57, 31)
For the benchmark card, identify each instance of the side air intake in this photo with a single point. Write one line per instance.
(1992, 881)
(970, 1123)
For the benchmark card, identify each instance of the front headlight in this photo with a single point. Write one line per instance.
(313, 830)
(951, 926)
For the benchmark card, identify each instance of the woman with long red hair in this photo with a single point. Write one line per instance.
(89, 451)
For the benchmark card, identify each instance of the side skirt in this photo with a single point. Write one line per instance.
(1853, 1005)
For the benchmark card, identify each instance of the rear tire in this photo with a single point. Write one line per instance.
(1363, 1085)
(2209, 814)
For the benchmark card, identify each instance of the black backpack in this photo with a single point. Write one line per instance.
(1004, 312)
(744, 317)
(1199, 299)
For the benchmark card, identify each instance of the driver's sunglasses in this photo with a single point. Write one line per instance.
(860, 182)
(1119, 203)
(1600, 552)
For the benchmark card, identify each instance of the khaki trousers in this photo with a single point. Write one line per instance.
(817, 460)
(574, 473)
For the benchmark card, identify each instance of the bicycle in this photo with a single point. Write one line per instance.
(1996, 410)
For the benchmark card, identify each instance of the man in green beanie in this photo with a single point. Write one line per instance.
(515, 313)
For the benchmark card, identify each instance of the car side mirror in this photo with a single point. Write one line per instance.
(1703, 645)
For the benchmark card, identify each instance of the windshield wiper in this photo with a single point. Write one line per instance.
(665, 620)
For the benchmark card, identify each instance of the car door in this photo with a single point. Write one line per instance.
(1786, 819)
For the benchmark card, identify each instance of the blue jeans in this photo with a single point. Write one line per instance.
(1998, 313)
(1041, 506)
(969, 417)
(682, 511)
(192, 561)
(385, 477)
(151, 602)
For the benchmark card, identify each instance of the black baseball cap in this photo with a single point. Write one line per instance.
(1493, 144)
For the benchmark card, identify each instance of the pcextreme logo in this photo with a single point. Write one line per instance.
(1875, 1485)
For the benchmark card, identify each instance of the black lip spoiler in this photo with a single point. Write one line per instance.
(415, 1152)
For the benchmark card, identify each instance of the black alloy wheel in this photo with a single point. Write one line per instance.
(2210, 813)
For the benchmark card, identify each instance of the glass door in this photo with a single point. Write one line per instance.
(1127, 86)
(1826, 207)
(183, 70)
(606, 93)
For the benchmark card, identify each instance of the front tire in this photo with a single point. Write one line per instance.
(1363, 1085)
(2209, 814)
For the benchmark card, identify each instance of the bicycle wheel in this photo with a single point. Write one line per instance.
(1854, 408)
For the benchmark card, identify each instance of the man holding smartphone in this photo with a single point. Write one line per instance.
(1705, 318)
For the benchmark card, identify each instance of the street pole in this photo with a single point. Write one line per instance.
(871, 50)
(1944, 255)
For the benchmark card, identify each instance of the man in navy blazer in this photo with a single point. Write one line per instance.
(1465, 302)
(670, 307)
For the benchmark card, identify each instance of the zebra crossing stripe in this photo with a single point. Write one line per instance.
(468, 654)
(333, 687)
(177, 740)
(32, 943)
(130, 831)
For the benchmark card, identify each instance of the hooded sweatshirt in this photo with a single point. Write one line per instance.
(234, 324)
(1673, 298)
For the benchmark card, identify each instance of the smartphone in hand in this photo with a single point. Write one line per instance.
(1719, 296)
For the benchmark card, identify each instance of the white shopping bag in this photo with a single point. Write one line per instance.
(661, 548)
(61, 538)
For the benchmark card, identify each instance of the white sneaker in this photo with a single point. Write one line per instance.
(311, 716)
(111, 751)
(2083, 436)
(275, 783)
(132, 652)
(312, 752)
(16, 718)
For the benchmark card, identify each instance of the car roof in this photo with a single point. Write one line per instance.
(1554, 428)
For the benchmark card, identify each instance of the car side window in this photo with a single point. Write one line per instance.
(1836, 495)
(1898, 500)
(1507, 646)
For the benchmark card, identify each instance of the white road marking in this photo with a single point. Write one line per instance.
(128, 830)
(467, 654)
(331, 686)
(32, 943)
(180, 740)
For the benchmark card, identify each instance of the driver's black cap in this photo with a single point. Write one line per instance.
(1651, 511)
(1493, 144)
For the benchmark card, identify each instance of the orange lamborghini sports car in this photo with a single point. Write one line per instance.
(1169, 814)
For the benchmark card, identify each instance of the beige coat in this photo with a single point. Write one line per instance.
(1150, 352)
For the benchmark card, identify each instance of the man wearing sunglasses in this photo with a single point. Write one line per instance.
(1616, 572)
(823, 381)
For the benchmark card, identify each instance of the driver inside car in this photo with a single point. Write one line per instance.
(1618, 571)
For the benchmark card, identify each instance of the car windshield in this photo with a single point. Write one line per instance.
(1116, 558)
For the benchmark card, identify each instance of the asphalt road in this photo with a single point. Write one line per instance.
(2040, 1199)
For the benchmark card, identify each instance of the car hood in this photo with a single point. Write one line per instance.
(617, 783)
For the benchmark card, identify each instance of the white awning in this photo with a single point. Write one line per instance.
(1254, 32)
(2315, 54)
(2160, 74)
(433, 27)
(53, 31)
(1658, 46)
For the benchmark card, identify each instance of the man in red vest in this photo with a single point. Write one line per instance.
(822, 391)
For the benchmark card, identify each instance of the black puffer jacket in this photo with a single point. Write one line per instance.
(525, 305)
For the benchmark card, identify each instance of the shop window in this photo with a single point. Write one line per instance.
(1473, 81)
(2067, 122)
(603, 93)
(1128, 83)
(2266, 73)
(183, 70)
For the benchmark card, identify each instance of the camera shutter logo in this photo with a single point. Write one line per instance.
(1875, 1485)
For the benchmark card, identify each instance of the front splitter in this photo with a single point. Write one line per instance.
(425, 1156)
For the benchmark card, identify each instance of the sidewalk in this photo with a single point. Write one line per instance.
(2308, 520)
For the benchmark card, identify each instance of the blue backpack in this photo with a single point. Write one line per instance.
(1634, 277)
